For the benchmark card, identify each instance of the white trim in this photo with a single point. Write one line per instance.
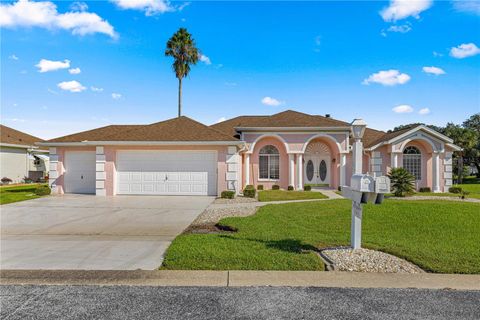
(20, 146)
(322, 135)
(403, 145)
(252, 145)
(295, 133)
(136, 143)
(454, 147)
(277, 129)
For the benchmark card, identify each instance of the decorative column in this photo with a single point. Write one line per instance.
(376, 163)
(291, 170)
(247, 169)
(232, 169)
(53, 170)
(300, 171)
(447, 171)
(343, 166)
(436, 172)
(100, 174)
(394, 159)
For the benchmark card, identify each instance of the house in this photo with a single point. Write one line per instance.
(20, 158)
(181, 156)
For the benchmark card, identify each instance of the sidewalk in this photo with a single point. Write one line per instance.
(241, 279)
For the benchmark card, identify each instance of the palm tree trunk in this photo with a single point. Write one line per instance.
(179, 97)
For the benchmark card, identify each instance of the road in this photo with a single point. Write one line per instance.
(137, 302)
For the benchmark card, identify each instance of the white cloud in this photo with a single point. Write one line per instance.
(231, 84)
(72, 86)
(116, 96)
(404, 28)
(269, 101)
(12, 57)
(437, 54)
(44, 14)
(221, 120)
(151, 7)
(433, 70)
(470, 6)
(464, 50)
(205, 59)
(424, 111)
(401, 9)
(45, 65)
(96, 89)
(387, 78)
(403, 108)
(79, 6)
(74, 71)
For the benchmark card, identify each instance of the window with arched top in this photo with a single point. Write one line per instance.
(269, 163)
(412, 161)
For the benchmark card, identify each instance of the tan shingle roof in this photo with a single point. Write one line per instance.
(384, 136)
(12, 136)
(176, 129)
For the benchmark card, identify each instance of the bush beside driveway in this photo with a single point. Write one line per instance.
(18, 193)
(437, 236)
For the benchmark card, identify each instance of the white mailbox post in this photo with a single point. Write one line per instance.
(363, 188)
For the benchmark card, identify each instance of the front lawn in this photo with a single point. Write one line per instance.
(282, 195)
(17, 193)
(437, 236)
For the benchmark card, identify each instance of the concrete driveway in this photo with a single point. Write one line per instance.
(89, 232)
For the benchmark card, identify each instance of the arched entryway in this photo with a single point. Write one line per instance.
(317, 164)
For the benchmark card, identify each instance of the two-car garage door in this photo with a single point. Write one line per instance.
(167, 172)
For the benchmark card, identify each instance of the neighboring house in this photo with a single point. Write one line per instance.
(20, 158)
(183, 157)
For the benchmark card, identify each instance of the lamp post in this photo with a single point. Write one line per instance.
(358, 130)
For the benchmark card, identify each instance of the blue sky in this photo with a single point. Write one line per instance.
(349, 59)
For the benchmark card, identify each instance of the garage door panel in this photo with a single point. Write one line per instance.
(80, 172)
(168, 173)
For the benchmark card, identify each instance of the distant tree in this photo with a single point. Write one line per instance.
(473, 122)
(473, 155)
(467, 139)
(181, 46)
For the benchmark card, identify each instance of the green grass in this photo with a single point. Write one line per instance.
(17, 193)
(437, 236)
(282, 195)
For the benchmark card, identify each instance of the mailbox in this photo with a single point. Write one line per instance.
(382, 184)
(362, 183)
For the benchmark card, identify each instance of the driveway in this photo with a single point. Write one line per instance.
(89, 232)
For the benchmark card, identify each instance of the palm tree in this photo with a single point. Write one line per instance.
(181, 47)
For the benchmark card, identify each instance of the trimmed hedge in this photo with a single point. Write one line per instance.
(249, 191)
(260, 187)
(275, 187)
(307, 188)
(455, 190)
(228, 194)
(43, 191)
(290, 188)
(425, 189)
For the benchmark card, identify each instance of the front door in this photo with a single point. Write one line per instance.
(317, 170)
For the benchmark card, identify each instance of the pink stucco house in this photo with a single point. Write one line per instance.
(183, 157)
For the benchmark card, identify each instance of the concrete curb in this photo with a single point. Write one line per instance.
(240, 279)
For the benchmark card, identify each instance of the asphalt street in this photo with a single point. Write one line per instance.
(135, 302)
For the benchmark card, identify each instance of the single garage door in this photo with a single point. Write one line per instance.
(167, 172)
(80, 172)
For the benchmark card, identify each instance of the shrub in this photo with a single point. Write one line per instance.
(425, 189)
(6, 180)
(402, 181)
(260, 187)
(455, 190)
(290, 188)
(27, 180)
(228, 194)
(275, 187)
(249, 191)
(307, 188)
(43, 191)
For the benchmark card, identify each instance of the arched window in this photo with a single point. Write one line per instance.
(412, 161)
(269, 163)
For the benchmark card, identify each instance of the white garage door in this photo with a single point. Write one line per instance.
(80, 172)
(167, 172)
